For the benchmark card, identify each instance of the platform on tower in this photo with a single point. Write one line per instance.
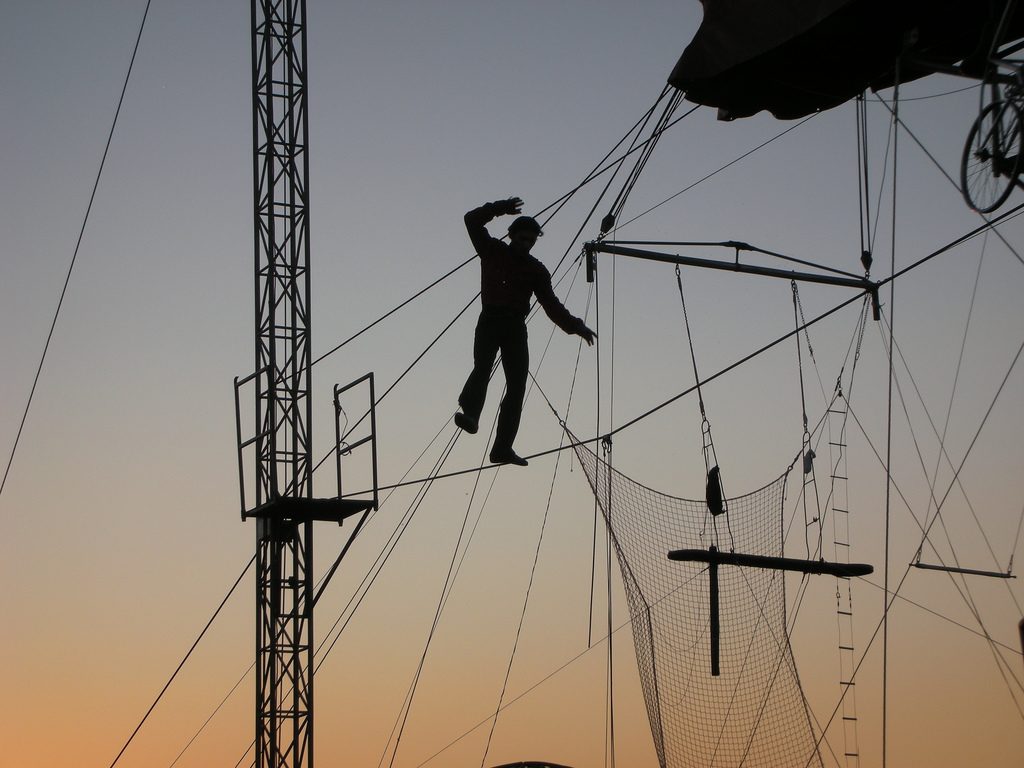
(302, 510)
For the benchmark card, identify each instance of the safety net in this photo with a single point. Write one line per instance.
(752, 714)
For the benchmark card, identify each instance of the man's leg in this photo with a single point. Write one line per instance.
(485, 347)
(515, 359)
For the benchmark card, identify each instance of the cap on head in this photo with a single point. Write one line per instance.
(526, 224)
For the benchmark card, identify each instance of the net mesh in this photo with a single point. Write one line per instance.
(754, 713)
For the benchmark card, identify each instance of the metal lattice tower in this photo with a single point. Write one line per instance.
(284, 589)
(282, 441)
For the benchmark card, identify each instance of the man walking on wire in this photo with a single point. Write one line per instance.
(509, 275)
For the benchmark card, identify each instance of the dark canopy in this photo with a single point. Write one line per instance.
(794, 57)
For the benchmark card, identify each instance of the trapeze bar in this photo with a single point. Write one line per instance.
(732, 266)
(713, 557)
(969, 571)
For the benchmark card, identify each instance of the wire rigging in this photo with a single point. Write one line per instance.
(962, 586)
(533, 568)
(718, 170)
(322, 642)
(556, 414)
(956, 474)
(450, 580)
(646, 148)
(561, 261)
(892, 595)
(421, 355)
(984, 217)
(557, 205)
(806, 451)
(598, 170)
(184, 659)
(717, 498)
(392, 311)
(406, 372)
(597, 431)
(435, 474)
(620, 200)
(949, 408)
(943, 453)
(618, 161)
(448, 583)
(371, 576)
(367, 581)
(950, 245)
(606, 447)
(888, 427)
(78, 245)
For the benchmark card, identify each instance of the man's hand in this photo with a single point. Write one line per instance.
(587, 334)
(508, 207)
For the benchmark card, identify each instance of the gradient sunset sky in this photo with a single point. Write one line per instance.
(121, 530)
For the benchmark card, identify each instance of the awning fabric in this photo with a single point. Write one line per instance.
(794, 57)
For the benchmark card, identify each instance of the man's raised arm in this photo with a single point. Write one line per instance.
(476, 222)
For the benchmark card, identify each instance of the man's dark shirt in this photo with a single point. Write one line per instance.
(508, 278)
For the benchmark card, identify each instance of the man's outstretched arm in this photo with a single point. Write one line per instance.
(476, 222)
(559, 315)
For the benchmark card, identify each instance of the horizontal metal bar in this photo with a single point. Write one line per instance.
(339, 389)
(715, 557)
(733, 266)
(734, 245)
(357, 443)
(968, 571)
(240, 382)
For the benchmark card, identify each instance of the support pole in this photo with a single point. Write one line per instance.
(713, 557)
(715, 629)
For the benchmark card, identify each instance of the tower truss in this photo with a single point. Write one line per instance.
(281, 438)
(284, 588)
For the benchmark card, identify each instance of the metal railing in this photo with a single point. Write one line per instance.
(344, 448)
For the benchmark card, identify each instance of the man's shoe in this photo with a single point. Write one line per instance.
(507, 456)
(465, 423)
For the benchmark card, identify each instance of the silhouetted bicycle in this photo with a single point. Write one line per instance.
(990, 166)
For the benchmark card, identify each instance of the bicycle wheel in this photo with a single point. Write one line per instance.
(991, 159)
